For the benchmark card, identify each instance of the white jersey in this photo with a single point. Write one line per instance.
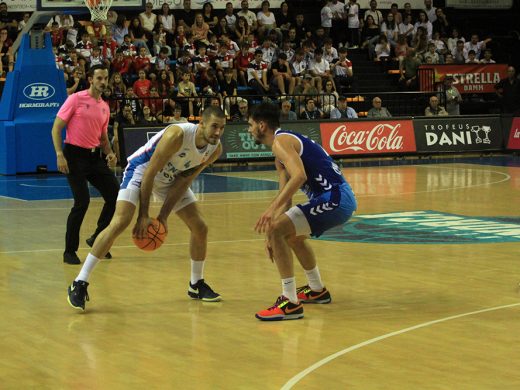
(187, 157)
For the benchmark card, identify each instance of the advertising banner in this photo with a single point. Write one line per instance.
(457, 134)
(470, 78)
(480, 4)
(368, 137)
(514, 135)
(239, 144)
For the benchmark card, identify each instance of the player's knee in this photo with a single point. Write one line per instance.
(200, 228)
(119, 223)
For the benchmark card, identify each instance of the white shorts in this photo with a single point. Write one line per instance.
(301, 225)
(131, 189)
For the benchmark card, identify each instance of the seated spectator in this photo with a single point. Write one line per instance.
(228, 90)
(243, 114)
(125, 118)
(472, 58)
(431, 56)
(441, 24)
(343, 72)
(382, 49)
(343, 111)
(200, 29)
(177, 116)
(249, 16)
(148, 118)
(434, 109)
(257, 74)
(476, 45)
(329, 97)
(488, 54)
(320, 69)
(285, 113)
(377, 111)
(186, 90)
(459, 54)
(281, 76)
(425, 23)
(311, 111)
(407, 29)
(454, 39)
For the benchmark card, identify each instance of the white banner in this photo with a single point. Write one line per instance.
(480, 4)
(20, 5)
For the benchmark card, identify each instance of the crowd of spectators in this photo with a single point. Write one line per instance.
(166, 65)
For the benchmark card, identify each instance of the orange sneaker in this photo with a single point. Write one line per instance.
(306, 295)
(283, 309)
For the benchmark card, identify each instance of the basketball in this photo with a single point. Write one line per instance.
(156, 236)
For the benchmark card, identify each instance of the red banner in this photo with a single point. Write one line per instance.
(514, 135)
(470, 78)
(360, 137)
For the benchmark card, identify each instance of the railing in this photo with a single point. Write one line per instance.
(398, 103)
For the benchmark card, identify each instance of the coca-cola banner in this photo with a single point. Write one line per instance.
(514, 135)
(458, 134)
(368, 137)
(469, 78)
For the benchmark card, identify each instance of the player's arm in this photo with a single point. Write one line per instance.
(285, 148)
(57, 129)
(181, 184)
(169, 144)
(283, 178)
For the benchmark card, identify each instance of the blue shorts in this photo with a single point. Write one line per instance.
(323, 212)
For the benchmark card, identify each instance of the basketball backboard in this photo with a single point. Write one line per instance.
(54, 5)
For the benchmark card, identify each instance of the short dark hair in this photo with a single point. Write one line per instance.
(212, 111)
(93, 69)
(267, 112)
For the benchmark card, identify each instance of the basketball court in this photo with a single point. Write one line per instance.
(424, 283)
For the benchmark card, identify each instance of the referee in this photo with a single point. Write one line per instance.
(82, 158)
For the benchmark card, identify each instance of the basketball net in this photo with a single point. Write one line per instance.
(98, 9)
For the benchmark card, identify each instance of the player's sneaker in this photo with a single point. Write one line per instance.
(90, 243)
(306, 295)
(283, 309)
(201, 290)
(77, 294)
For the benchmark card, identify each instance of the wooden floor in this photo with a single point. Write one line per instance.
(406, 313)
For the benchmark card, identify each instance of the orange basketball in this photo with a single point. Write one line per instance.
(156, 236)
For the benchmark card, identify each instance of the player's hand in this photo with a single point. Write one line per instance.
(164, 221)
(61, 161)
(111, 160)
(264, 222)
(140, 229)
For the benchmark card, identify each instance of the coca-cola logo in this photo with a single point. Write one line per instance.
(382, 137)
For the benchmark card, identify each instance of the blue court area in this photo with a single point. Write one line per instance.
(227, 178)
(53, 187)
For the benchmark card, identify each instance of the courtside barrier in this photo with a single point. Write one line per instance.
(395, 136)
(514, 135)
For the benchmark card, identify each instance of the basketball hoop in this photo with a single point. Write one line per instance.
(98, 9)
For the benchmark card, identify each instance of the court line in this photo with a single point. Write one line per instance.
(298, 377)
(128, 246)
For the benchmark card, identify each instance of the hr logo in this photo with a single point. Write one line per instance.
(39, 91)
(485, 129)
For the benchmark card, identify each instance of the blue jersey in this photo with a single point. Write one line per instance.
(323, 174)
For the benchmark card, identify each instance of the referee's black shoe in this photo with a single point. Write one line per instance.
(90, 243)
(71, 258)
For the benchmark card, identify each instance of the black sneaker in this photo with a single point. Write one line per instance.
(71, 258)
(306, 295)
(90, 243)
(77, 294)
(202, 291)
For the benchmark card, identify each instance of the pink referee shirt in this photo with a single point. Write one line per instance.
(86, 117)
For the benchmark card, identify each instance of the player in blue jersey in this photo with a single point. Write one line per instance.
(165, 167)
(300, 163)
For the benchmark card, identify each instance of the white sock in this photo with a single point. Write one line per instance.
(87, 268)
(197, 271)
(289, 289)
(314, 278)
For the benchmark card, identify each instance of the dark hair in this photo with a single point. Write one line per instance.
(268, 113)
(93, 69)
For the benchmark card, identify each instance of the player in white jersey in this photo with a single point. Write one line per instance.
(165, 167)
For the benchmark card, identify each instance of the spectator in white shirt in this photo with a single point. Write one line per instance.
(320, 69)
(430, 10)
(326, 17)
